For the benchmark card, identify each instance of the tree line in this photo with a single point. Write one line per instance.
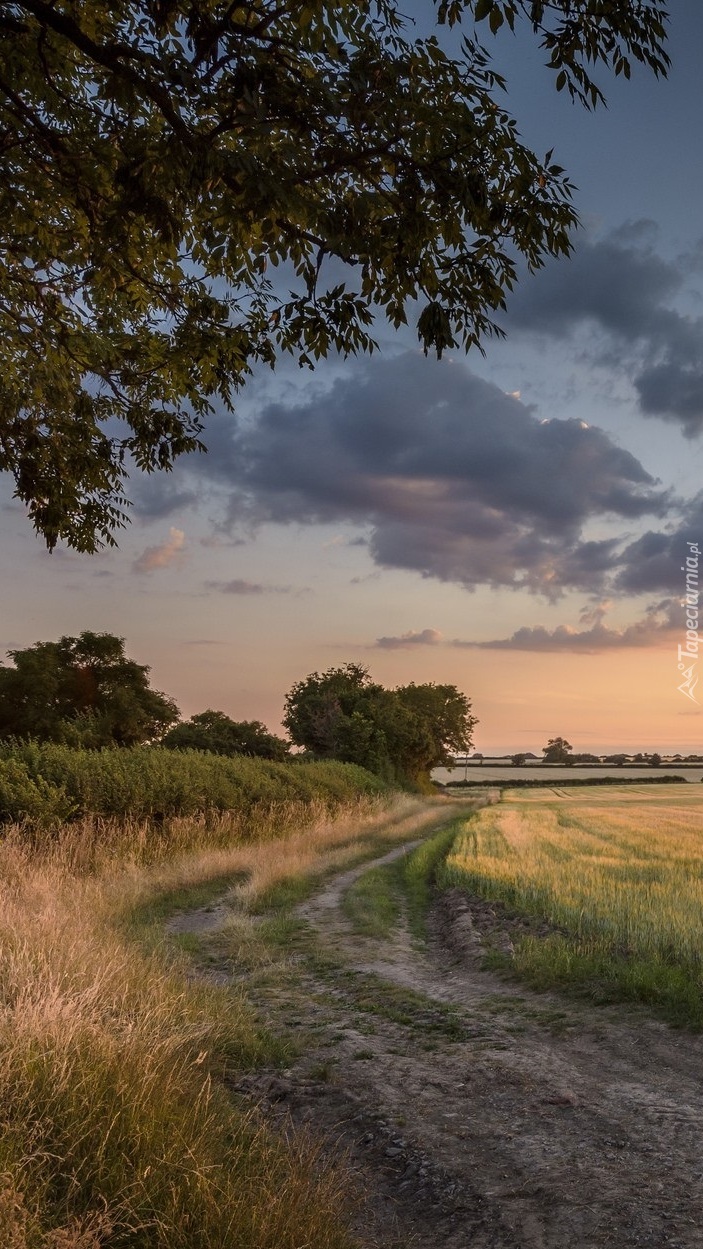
(85, 692)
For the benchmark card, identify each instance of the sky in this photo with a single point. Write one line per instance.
(517, 524)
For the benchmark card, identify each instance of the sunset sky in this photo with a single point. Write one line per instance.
(515, 524)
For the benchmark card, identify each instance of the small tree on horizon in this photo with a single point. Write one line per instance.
(557, 750)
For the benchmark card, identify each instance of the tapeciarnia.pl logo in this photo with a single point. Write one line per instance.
(688, 654)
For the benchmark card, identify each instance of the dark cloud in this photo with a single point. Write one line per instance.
(621, 286)
(238, 586)
(653, 562)
(455, 479)
(661, 622)
(157, 496)
(406, 641)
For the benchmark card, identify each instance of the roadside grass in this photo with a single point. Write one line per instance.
(281, 876)
(370, 994)
(619, 874)
(420, 874)
(116, 1129)
(375, 902)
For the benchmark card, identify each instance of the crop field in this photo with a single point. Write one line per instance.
(615, 878)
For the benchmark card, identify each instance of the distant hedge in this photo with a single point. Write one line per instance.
(550, 782)
(47, 784)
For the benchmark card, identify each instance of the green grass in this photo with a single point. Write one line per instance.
(376, 901)
(373, 901)
(420, 872)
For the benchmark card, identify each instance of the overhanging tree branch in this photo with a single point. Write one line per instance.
(158, 161)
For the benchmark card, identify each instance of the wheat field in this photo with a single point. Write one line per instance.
(616, 872)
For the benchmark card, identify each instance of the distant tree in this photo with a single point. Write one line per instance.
(518, 760)
(618, 759)
(585, 758)
(215, 732)
(83, 691)
(557, 750)
(400, 734)
(655, 760)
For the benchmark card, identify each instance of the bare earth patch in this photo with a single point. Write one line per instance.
(477, 1115)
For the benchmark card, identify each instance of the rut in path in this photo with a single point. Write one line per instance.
(480, 1115)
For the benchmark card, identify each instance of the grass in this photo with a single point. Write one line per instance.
(617, 873)
(373, 902)
(376, 901)
(116, 1130)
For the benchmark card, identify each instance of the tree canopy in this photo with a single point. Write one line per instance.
(558, 750)
(216, 733)
(400, 734)
(160, 159)
(82, 691)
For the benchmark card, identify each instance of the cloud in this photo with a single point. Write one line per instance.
(623, 288)
(451, 477)
(237, 586)
(653, 562)
(423, 637)
(661, 622)
(156, 496)
(161, 556)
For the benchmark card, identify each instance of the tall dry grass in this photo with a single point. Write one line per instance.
(115, 1127)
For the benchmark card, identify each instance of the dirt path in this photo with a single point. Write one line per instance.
(477, 1114)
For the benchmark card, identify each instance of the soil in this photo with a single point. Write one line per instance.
(475, 1113)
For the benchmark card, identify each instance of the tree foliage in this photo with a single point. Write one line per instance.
(81, 691)
(558, 750)
(216, 733)
(159, 159)
(400, 734)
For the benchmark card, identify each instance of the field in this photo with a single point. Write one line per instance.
(612, 879)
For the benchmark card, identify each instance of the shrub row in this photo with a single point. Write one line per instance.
(43, 784)
(549, 782)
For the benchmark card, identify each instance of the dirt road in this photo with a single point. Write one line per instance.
(479, 1115)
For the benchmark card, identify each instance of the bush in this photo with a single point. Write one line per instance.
(45, 784)
(33, 800)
